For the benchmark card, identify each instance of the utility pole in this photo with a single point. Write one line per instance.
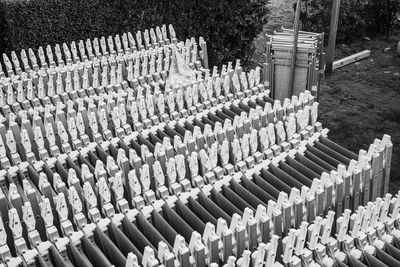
(294, 49)
(332, 36)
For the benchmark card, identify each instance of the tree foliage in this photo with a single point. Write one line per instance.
(228, 26)
(357, 18)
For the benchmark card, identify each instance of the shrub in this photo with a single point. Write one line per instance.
(228, 26)
(357, 18)
(384, 14)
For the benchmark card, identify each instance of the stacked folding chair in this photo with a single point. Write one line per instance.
(309, 63)
(105, 163)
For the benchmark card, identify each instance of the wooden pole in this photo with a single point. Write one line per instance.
(330, 54)
(294, 49)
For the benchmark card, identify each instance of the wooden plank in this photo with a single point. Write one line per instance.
(330, 54)
(351, 59)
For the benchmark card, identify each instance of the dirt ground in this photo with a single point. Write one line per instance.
(361, 101)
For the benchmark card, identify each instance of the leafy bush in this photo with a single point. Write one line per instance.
(228, 26)
(384, 15)
(357, 18)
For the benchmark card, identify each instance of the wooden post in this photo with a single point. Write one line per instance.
(294, 49)
(330, 54)
(203, 52)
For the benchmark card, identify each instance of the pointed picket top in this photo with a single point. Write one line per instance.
(38, 138)
(315, 230)
(89, 195)
(74, 199)
(163, 252)
(62, 132)
(99, 169)
(25, 140)
(111, 164)
(243, 81)
(327, 227)
(145, 177)
(180, 167)
(357, 219)
(271, 254)
(103, 190)
(46, 212)
(193, 164)
(73, 49)
(11, 143)
(264, 140)
(271, 133)
(85, 174)
(290, 127)
(208, 232)
(385, 208)
(134, 112)
(24, 58)
(20, 92)
(93, 122)
(289, 242)
(61, 207)
(158, 174)
(171, 170)
(343, 224)
(134, 184)
(28, 217)
(301, 238)
(131, 40)
(226, 85)
(14, 223)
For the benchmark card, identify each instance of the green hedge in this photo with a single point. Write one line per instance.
(228, 26)
(357, 18)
